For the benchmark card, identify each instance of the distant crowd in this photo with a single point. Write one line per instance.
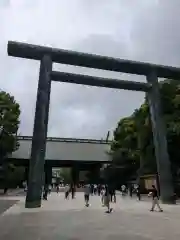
(107, 193)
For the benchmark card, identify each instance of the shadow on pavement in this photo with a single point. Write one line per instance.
(5, 204)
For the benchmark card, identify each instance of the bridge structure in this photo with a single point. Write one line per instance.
(47, 56)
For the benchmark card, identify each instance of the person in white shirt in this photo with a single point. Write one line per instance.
(50, 188)
(95, 189)
(86, 194)
(123, 190)
(25, 186)
(102, 195)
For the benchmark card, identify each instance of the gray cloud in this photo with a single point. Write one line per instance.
(156, 33)
(137, 30)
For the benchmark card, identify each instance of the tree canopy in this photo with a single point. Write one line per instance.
(9, 123)
(132, 146)
(65, 174)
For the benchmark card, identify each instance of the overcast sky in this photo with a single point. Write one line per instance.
(145, 30)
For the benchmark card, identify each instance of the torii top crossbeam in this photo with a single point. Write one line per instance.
(29, 51)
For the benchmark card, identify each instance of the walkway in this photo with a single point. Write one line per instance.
(59, 219)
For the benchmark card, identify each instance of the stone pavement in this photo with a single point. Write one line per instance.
(71, 220)
(11, 192)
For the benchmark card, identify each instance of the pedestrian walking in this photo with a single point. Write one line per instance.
(57, 188)
(92, 188)
(45, 192)
(138, 193)
(112, 193)
(66, 191)
(155, 199)
(123, 190)
(49, 189)
(102, 195)
(113, 196)
(95, 189)
(73, 191)
(107, 200)
(25, 186)
(86, 194)
(99, 189)
(130, 190)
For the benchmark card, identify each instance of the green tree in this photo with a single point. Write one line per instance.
(9, 123)
(15, 175)
(132, 146)
(65, 174)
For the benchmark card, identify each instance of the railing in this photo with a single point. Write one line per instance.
(75, 140)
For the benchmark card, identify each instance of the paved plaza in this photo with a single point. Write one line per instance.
(71, 220)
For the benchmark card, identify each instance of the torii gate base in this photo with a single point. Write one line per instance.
(47, 56)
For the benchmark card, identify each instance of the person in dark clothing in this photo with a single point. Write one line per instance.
(92, 188)
(95, 189)
(45, 192)
(155, 199)
(107, 200)
(138, 194)
(57, 188)
(99, 189)
(112, 194)
(130, 190)
(73, 191)
(5, 190)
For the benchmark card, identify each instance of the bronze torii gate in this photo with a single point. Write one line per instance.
(47, 56)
